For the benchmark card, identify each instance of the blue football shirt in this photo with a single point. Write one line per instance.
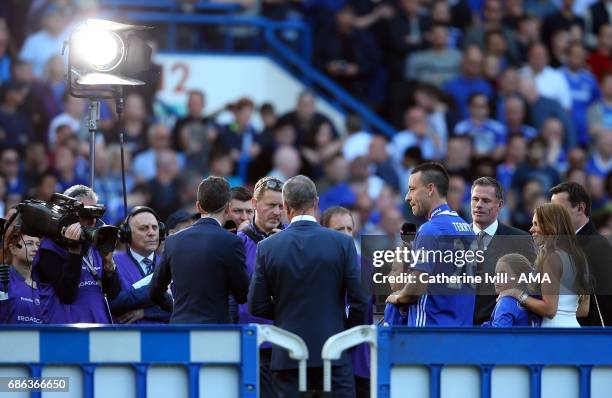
(443, 305)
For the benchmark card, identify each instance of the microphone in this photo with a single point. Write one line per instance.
(4, 281)
(408, 232)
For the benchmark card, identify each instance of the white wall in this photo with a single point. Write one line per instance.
(226, 78)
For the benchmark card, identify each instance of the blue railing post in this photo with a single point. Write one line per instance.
(88, 380)
(585, 381)
(435, 373)
(384, 357)
(485, 381)
(535, 385)
(194, 380)
(249, 363)
(35, 371)
(141, 380)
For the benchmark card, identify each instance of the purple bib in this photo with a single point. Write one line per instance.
(89, 305)
(23, 305)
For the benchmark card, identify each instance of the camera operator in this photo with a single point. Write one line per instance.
(74, 280)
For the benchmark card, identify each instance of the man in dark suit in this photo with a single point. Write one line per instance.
(205, 262)
(495, 238)
(303, 275)
(597, 249)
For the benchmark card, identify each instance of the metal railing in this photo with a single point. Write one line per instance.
(297, 59)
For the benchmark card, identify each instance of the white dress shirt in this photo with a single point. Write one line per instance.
(139, 259)
(490, 232)
(304, 217)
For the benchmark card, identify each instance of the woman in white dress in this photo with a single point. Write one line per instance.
(566, 295)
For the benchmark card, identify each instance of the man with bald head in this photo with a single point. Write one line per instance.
(290, 266)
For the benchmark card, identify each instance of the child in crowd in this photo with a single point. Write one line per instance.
(508, 311)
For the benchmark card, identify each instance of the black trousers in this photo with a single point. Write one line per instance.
(343, 381)
(362, 387)
(267, 386)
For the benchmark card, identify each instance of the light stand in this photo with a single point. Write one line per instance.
(92, 126)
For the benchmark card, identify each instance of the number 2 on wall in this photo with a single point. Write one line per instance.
(183, 70)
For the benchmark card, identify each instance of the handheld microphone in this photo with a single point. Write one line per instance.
(408, 232)
(4, 281)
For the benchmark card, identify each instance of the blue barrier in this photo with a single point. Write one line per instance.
(462, 362)
(159, 360)
(170, 5)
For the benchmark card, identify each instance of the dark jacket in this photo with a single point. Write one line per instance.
(598, 253)
(505, 241)
(302, 277)
(205, 263)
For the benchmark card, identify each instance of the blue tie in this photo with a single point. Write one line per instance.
(148, 265)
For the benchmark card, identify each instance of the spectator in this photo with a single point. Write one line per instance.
(600, 60)
(541, 108)
(528, 34)
(348, 54)
(73, 115)
(562, 20)
(5, 53)
(305, 119)
(45, 187)
(460, 150)
(470, 80)
(179, 220)
(584, 89)
(531, 196)
(134, 125)
(65, 167)
(325, 146)
(553, 134)
(549, 82)
(489, 135)
(381, 162)
(165, 186)
(507, 86)
(222, 165)
(600, 162)
(11, 170)
(578, 176)
(417, 132)
(558, 52)
(440, 116)
(286, 163)
(333, 187)
(441, 14)
(239, 137)
(194, 129)
(597, 15)
(493, 13)
(357, 142)
(516, 152)
(15, 127)
(456, 196)
(599, 115)
(406, 34)
(435, 65)
(159, 141)
(515, 117)
(47, 42)
(536, 167)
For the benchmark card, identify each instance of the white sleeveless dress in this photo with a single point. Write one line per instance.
(568, 300)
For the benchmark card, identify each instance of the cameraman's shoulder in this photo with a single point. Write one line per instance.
(51, 245)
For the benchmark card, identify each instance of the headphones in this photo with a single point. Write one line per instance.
(125, 232)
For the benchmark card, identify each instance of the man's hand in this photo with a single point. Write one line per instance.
(516, 293)
(108, 262)
(393, 298)
(132, 316)
(73, 234)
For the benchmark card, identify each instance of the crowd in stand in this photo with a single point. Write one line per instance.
(517, 90)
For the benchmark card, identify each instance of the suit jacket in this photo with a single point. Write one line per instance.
(205, 263)
(598, 252)
(506, 240)
(303, 275)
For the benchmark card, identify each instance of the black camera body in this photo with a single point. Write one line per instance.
(49, 219)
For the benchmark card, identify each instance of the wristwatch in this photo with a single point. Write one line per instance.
(523, 297)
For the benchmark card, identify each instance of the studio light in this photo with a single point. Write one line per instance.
(104, 55)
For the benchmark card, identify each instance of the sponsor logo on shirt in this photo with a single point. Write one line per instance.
(28, 319)
(88, 283)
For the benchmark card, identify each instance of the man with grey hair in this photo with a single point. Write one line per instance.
(74, 278)
(494, 238)
(302, 276)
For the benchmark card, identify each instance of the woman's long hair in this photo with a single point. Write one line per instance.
(558, 234)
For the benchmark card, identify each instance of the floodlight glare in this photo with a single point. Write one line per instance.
(103, 50)
(105, 55)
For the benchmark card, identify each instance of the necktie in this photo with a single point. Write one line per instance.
(480, 240)
(148, 263)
